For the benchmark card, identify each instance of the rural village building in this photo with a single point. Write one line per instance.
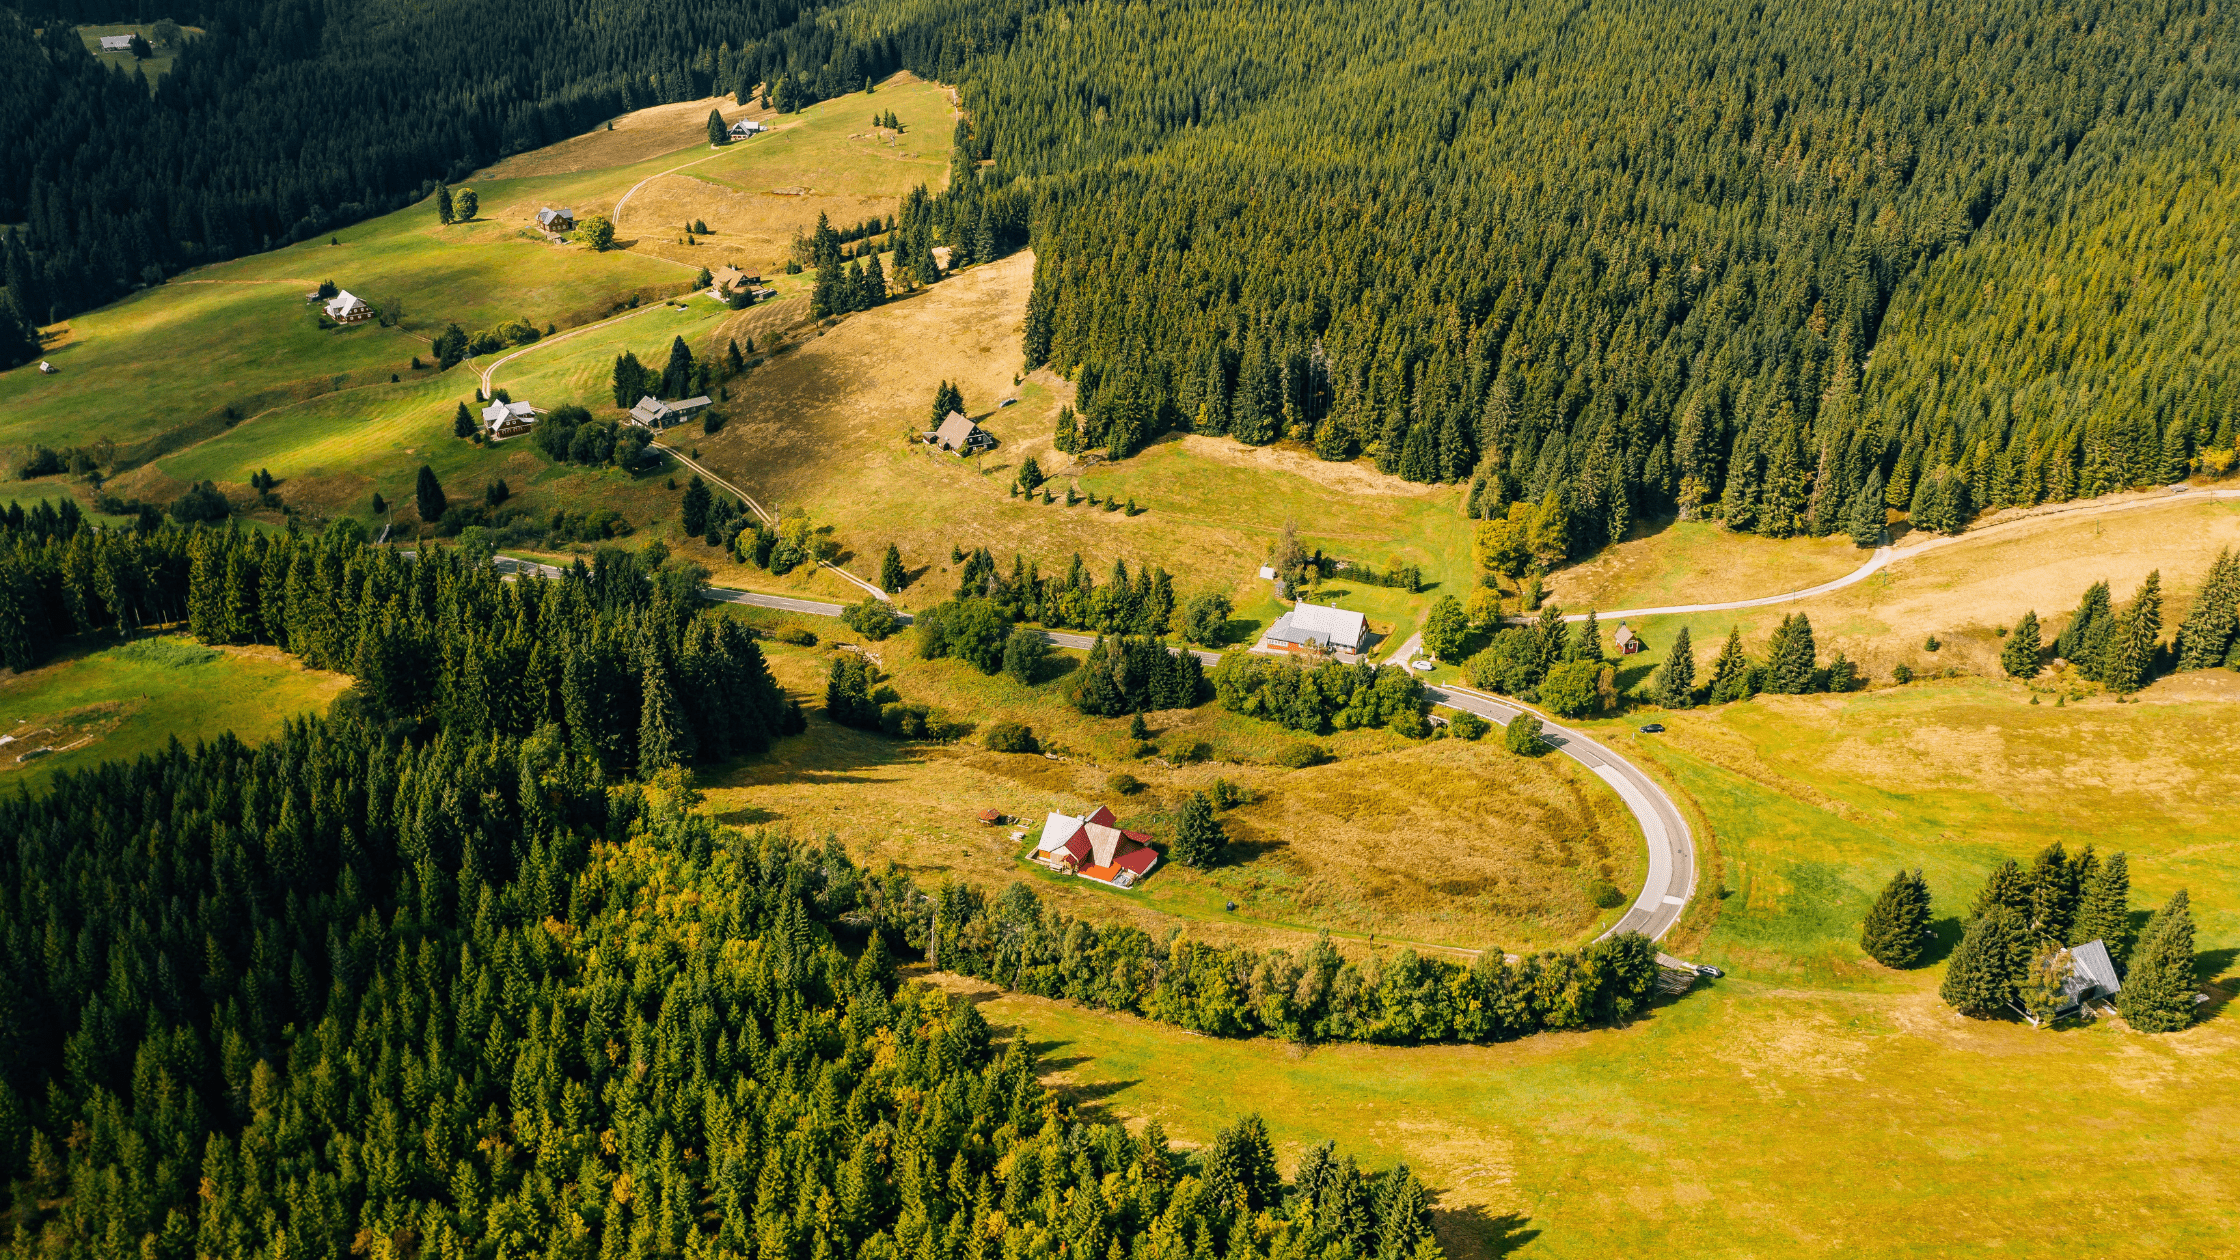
(348, 308)
(1315, 628)
(508, 419)
(730, 280)
(1095, 848)
(2092, 978)
(46, 367)
(116, 43)
(961, 435)
(1628, 642)
(654, 414)
(552, 220)
(747, 127)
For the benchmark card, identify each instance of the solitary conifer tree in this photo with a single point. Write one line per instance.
(1897, 925)
(1730, 674)
(2208, 630)
(2020, 655)
(891, 574)
(2131, 649)
(717, 132)
(443, 203)
(462, 423)
(2158, 992)
(429, 495)
(1198, 837)
(1676, 681)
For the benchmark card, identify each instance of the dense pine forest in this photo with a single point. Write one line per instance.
(288, 120)
(1763, 263)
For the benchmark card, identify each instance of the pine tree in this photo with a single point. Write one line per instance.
(2053, 893)
(428, 495)
(2080, 641)
(2159, 990)
(733, 362)
(717, 132)
(1897, 925)
(664, 735)
(2019, 655)
(1199, 839)
(2131, 649)
(1980, 978)
(2104, 910)
(676, 378)
(443, 203)
(1789, 666)
(2008, 887)
(1730, 673)
(1676, 681)
(1586, 642)
(892, 576)
(1867, 518)
(692, 513)
(2208, 630)
(462, 423)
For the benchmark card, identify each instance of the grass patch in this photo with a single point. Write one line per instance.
(123, 700)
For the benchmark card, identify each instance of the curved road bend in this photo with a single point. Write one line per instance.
(1672, 862)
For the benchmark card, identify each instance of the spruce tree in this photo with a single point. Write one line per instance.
(1897, 924)
(1730, 673)
(664, 736)
(462, 422)
(2079, 640)
(1867, 516)
(733, 362)
(717, 132)
(1586, 641)
(443, 203)
(2104, 910)
(2131, 649)
(1789, 667)
(1980, 978)
(692, 513)
(2053, 893)
(676, 378)
(2159, 990)
(2019, 656)
(1676, 681)
(2209, 628)
(2008, 887)
(1198, 837)
(892, 576)
(428, 495)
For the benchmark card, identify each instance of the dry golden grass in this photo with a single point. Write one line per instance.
(826, 427)
(1443, 842)
(636, 137)
(1698, 562)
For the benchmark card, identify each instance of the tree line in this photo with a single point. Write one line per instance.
(1790, 268)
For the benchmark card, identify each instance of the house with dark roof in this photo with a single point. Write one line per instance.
(652, 413)
(747, 127)
(346, 307)
(960, 435)
(1095, 847)
(508, 419)
(1316, 628)
(552, 220)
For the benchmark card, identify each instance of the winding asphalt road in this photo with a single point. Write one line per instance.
(1672, 865)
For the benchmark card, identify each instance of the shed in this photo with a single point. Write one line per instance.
(47, 368)
(990, 816)
(2092, 976)
(961, 435)
(747, 127)
(116, 43)
(1628, 642)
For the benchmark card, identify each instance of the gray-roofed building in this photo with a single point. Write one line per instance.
(1316, 628)
(116, 43)
(508, 419)
(958, 433)
(2092, 976)
(556, 220)
(652, 413)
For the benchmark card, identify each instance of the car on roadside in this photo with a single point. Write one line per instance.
(1706, 969)
(1653, 728)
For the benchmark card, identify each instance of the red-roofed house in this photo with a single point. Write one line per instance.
(1096, 848)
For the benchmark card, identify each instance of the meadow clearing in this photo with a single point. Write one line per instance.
(1813, 1102)
(1347, 845)
(103, 700)
(152, 67)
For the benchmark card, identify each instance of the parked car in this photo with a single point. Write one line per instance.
(1653, 728)
(1708, 970)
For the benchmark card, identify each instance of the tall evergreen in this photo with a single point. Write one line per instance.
(2020, 654)
(1980, 977)
(2104, 909)
(428, 495)
(2055, 889)
(2160, 988)
(1199, 839)
(2007, 886)
(2082, 641)
(2207, 633)
(2131, 648)
(1897, 925)
(1867, 518)
(1676, 679)
(717, 133)
(1790, 661)
(892, 576)
(1730, 673)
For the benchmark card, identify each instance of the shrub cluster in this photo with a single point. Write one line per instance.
(1321, 698)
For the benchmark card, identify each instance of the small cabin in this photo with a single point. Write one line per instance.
(747, 127)
(116, 43)
(348, 308)
(1629, 643)
(960, 435)
(552, 220)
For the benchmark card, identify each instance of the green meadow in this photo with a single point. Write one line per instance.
(1812, 1102)
(109, 701)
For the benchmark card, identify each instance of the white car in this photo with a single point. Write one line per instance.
(1425, 666)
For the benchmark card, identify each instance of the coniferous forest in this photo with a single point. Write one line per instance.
(1763, 263)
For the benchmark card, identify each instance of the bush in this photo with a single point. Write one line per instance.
(1901, 674)
(1226, 795)
(1605, 895)
(1523, 736)
(1023, 654)
(796, 636)
(1123, 784)
(42, 462)
(899, 720)
(1011, 737)
(1467, 725)
(1300, 756)
(201, 503)
(1569, 688)
(874, 619)
(1196, 751)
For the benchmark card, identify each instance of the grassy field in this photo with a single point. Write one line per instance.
(1694, 562)
(102, 702)
(1344, 845)
(1812, 1103)
(153, 68)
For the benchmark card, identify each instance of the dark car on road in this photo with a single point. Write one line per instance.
(1653, 728)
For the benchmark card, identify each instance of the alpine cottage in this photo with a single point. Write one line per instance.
(1315, 628)
(348, 308)
(1095, 848)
